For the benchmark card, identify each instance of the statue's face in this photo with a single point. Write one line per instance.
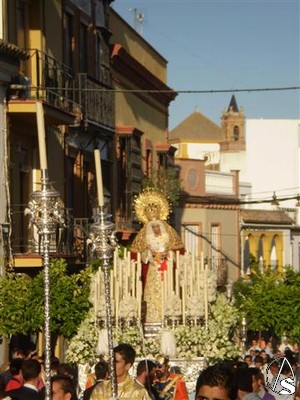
(156, 229)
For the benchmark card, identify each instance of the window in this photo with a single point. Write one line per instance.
(273, 255)
(83, 48)
(236, 133)
(215, 244)
(148, 170)
(192, 239)
(260, 253)
(98, 53)
(68, 39)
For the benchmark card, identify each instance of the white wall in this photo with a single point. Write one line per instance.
(272, 158)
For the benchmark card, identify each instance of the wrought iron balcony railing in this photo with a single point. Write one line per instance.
(46, 79)
(96, 100)
(68, 241)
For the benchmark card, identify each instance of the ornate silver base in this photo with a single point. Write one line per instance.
(152, 329)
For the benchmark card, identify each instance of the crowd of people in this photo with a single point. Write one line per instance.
(262, 374)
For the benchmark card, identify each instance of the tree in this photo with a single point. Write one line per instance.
(22, 301)
(271, 301)
(165, 181)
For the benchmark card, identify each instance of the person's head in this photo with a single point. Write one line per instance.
(252, 353)
(15, 366)
(274, 367)
(245, 382)
(248, 359)
(258, 361)
(216, 382)
(63, 388)
(257, 378)
(175, 369)
(102, 370)
(162, 366)
(124, 355)
(54, 363)
(17, 353)
(68, 370)
(145, 371)
(31, 370)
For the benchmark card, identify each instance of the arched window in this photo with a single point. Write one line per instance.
(247, 255)
(260, 254)
(236, 133)
(273, 255)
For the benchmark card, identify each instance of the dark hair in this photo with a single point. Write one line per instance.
(244, 379)
(101, 369)
(220, 375)
(30, 369)
(66, 369)
(15, 366)
(66, 384)
(126, 351)
(145, 365)
(258, 359)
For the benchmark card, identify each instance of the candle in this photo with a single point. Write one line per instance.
(139, 284)
(171, 267)
(99, 177)
(198, 269)
(184, 285)
(205, 297)
(177, 274)
(117, 304)
(192, 275)
(41, 135)
(162, 301)
(133, 287)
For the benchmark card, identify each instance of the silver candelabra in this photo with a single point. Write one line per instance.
(102, 242)
(46, 213)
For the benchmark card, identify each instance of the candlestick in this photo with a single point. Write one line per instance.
(41, 135)
(99, 177)
(46, 214)
(103, 242)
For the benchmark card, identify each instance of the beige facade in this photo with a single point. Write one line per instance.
(139, 73)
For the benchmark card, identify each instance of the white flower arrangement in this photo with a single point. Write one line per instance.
(82, 347)
(213, 343)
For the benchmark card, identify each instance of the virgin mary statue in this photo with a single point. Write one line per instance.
(154, 241)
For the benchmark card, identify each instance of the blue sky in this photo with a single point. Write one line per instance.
(225, 45)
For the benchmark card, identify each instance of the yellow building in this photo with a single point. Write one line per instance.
(139, 73)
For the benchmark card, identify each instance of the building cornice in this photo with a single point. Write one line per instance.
(142, 79)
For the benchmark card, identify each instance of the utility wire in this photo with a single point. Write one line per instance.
(249, 90)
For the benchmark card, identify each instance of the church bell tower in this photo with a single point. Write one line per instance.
(233, 127)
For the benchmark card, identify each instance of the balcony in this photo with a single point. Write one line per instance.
(96, 101)
(219, 182)
(48, 80)
(26, 247)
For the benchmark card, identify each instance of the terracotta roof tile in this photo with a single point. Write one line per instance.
(266, 217)
(196, 127)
